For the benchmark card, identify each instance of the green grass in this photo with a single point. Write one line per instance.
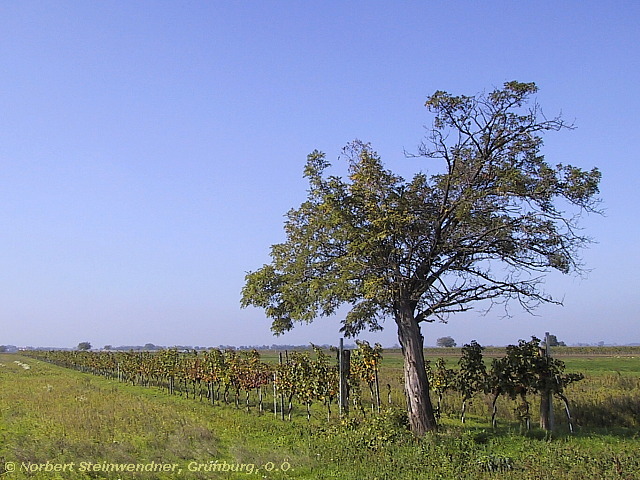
(609, 396)
(626, 365)
(608, 360)
(50, 414)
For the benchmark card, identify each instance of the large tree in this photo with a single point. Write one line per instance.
(484, 228)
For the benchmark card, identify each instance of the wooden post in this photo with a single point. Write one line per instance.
(551, 416)
(340, 378)
(344, 364)
(377, 381)
(275, 395)
(546, 398)
(281, 394)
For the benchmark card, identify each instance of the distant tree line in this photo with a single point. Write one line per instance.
(152, 347)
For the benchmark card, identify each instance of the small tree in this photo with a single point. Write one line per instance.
(471, 378)
(484, 228)
(525, 371)
(514, 375)
(365, 365)
(84, 346)
(441, 379)
(446, 342)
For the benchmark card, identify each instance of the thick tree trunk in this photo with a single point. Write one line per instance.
(416, 384)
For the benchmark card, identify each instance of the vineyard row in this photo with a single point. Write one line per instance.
(233, 376)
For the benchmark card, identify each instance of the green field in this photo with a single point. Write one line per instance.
(86, 426)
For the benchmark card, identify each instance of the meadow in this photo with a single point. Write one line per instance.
(57, 423)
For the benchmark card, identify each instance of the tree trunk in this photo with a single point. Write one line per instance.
(494, 408)
(546, 422)
(416, 384)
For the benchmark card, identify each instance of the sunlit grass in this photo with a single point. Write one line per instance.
(58, 415)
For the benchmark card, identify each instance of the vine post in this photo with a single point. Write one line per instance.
(344, 362)
(281, 393)
(275, 393)
(546, 397)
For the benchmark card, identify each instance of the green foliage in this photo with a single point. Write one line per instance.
(325, 374)
(365, 365)
(441, 379)
(375, 239)
(524, 370)
(209, 373)
(365, 361)
(374, 433)
(471, 377)
(495, 463)
(448, 342)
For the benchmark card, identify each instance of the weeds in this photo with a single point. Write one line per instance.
(57, 415)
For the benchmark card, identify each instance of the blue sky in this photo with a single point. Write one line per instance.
(149, 150)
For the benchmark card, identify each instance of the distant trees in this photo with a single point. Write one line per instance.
(553, 342)
(84, 346)
(446, 342)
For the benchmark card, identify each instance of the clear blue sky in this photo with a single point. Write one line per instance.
(149, 149)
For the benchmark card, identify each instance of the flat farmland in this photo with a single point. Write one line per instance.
(57, 423)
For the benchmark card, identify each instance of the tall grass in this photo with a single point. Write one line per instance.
(608, 397)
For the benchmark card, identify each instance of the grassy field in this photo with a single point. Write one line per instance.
(90, 427)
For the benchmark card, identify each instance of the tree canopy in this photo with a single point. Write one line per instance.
(375, 237)
(446, 342)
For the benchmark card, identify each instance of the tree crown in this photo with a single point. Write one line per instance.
(485, 228)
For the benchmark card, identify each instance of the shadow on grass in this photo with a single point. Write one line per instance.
(481, 432)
